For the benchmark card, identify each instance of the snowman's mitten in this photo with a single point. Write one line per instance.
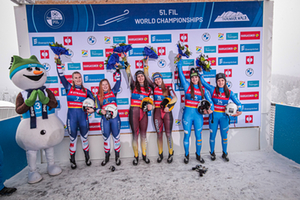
(42, 97)
(31, 99)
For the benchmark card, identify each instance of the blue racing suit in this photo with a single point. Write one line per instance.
(219, 116)
(112, 125)
(76, 118)
(191, 116)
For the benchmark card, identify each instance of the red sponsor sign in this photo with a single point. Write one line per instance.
(161, 51)
(249, 95)
(44, 54)
(94, 90)
(183, 37)
(110, 51)
(249, 60)
(182, 98)
(69, 78)
(250, 35)
(228, 72)
(139, 64)
(213, 61)
(228, 48)
(123, 113)
(186, 74)
(248, 118)
(205, 120)
(55, 91)
(68, 40)
(95, 126)
(98, 65)
(138, 39)
(169, 84)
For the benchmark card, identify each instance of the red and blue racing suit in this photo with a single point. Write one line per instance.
(76, 118)
(219, 116)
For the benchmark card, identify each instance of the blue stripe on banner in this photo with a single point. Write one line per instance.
(132, 17)
(75, 15)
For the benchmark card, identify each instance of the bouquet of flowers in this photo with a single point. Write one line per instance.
(183, 50)
(59, 49)
(151, 52)
(111, 61)
(203, 63)
(123, 49)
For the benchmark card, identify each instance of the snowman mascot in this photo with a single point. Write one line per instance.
(39, 127)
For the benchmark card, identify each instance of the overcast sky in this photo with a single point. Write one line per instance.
(286, 40)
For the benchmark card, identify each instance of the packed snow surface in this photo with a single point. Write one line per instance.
(248, 175)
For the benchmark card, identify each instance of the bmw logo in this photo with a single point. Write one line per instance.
(71, 54)
(47, 66)
(229, 84)
(91, 40)
(161, 63)
(249, 72)
(206, 37)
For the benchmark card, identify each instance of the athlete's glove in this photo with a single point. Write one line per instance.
(31, 100)
(42, 97)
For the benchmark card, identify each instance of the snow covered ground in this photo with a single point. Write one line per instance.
(249, 175)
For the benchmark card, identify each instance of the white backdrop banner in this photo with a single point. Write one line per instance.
(230, 33)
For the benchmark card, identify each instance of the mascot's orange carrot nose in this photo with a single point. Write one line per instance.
(37, 72)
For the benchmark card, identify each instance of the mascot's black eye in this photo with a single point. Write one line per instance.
(29, 69)
(43, 132)
(37, 68)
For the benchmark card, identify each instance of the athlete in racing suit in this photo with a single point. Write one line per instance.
(220, 96)
(76, 117)
(107, 97)
(194, 92)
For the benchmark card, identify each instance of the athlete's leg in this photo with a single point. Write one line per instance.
(72, 130)
(134, 115)
(198, 125)
(105, 127)
(213, 127)
(158, 123)
(84, 128)
(224, 127)
(168, 122)
(143, 128)
(187, 126)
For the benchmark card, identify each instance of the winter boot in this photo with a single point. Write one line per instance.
(170, 158)
(136, 160)
(225, 156)
(212, 156)
(146, 159)
(117, 155)
(160, 157)
(72, 160)
(87, 158)
(106, 159)
(186, 159)
(199, 158)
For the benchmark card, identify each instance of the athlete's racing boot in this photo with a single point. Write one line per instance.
(170, 158)
(87, 158)
(7, 191)
(160, 157)
(117, 155)
(225, 156)
(146, 159)
(136, 160)
(106, 159)
(186, 159)
(72, 160)
(199, 158)
(212, 156)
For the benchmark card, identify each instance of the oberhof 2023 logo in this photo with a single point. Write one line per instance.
(54, 18)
